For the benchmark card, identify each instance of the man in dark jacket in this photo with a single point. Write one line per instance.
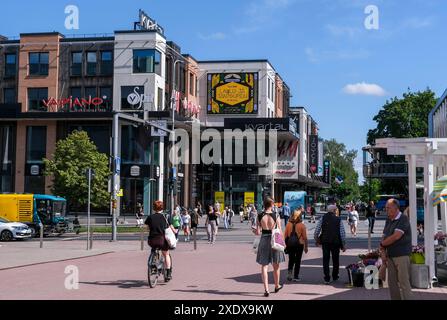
(330, 234)
(371, 212)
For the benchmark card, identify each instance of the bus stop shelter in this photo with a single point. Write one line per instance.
(430, 154)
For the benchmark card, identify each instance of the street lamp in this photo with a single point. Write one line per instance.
(173, 171)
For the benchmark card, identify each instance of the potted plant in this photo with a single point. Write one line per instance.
(355, 274)
(417, 255)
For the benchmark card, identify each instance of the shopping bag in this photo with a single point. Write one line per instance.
(278, 240)
(256, 244)
(170, 236)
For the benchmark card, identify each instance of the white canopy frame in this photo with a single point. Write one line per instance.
(431, 154)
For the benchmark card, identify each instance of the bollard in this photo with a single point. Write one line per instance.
(41, 234)
(142, 238)
(195, 238)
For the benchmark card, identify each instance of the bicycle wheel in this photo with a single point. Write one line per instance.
(152, 269)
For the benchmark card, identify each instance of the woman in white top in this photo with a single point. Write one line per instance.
(186, 225)
(353, 218)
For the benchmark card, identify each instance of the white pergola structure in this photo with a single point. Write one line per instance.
(431, 154)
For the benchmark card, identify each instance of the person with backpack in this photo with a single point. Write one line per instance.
(330, 234)
(295, 236)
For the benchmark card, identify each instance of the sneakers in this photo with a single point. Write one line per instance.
(327, 281)
(297, 279)
(289, 276)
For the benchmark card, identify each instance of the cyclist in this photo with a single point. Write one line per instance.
(157, 223)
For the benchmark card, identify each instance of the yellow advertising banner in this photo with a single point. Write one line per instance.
(219, 196)
(249, 198)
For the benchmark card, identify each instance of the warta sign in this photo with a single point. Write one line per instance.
(147, 23)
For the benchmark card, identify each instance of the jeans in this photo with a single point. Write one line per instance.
(212, 231)
(286, 218)
(328, 250)
(371, 221)
(295, 255)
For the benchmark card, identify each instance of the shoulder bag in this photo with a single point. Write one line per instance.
(170, 236)
(278, 243)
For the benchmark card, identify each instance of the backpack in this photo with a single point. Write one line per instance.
(293, 240)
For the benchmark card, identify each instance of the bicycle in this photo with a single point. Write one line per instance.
(156, 267)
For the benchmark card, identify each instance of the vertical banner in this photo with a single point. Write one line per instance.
(327, 172)
(320, 159)
(249, 198)
(313, 153)
(219, 196)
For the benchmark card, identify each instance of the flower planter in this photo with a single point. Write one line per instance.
(420, 276)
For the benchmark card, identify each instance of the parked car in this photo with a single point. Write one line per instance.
(13, 230)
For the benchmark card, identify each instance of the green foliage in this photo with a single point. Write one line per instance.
(404, 118)
(374, 188)
(342, 164)
(68, 168)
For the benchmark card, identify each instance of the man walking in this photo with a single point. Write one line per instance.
(371, 212)
(286, 213)
(396, 242)
(330, 234)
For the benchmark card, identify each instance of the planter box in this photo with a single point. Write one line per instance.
(420, 276)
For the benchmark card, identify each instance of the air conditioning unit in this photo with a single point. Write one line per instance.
(420, 276)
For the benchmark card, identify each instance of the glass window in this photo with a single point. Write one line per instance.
(126, 93)
(107, 96)
(135, 145)
(10, 65)
(106, 63)
(91, 63)
(76, 64)
(146, 61)
(90, 92)
(75, 92)
(35, 99)
(196, 87)
(99, 134)
(38, 63)
(7, 145)
(9, 95)
(36, 144)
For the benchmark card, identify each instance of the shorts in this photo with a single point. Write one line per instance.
(159, 242)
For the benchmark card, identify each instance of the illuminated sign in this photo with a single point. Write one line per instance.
(71, 104)
(232, 93)
(313, 153)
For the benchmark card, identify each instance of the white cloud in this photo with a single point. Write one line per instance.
(213, 36)
(343, 31)
(368, 89)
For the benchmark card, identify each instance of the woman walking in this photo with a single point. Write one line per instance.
(353, 218)
(211, 223)
(296, 242)
(266, 222)
(186, 224)
(176, 222)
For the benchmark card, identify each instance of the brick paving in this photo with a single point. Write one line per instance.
(224, 271)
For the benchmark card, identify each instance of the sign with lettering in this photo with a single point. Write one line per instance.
(147, 23)
(71, 104)
(232, 93)
(327, 172)
(286, 167)
(313, 153)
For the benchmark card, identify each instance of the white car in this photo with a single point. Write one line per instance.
(13, 230)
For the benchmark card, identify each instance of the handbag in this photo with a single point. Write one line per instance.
(170, 236)
(278, 243)
(256, 244)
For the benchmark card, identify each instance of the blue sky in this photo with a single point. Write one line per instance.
(340, 71)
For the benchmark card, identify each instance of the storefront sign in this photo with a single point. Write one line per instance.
(286, 167)
(232, 93)
(313, 153)
(279, 124)
(320, 159)
(135, 171)
(147, 23)
(34, 170)
(249, 198)
(136, 99)
(71, 104)
(219, 196)
(327, 172)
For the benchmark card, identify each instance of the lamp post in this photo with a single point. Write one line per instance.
(174, 158)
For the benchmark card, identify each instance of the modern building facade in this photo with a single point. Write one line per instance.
(437, 119)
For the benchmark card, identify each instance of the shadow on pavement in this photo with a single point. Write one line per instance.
(124, 284)
(225, 293)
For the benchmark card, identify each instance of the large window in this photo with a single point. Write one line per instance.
(38, 64)
(147, 61)
(129, 96)
(7, 143)
(36, 144)
(10, 65)
(106, 95)
(9, 95)
(90, 92)
(75, 92)
(99, 134)
(191, 84)
(76, 64)
(160, 99)
(91, 63)
(106, 63)
(35, 99)
(135, 145)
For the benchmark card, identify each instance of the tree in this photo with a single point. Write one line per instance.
(342, 165)
(71, 159)
(370, 191)
(404, 118)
